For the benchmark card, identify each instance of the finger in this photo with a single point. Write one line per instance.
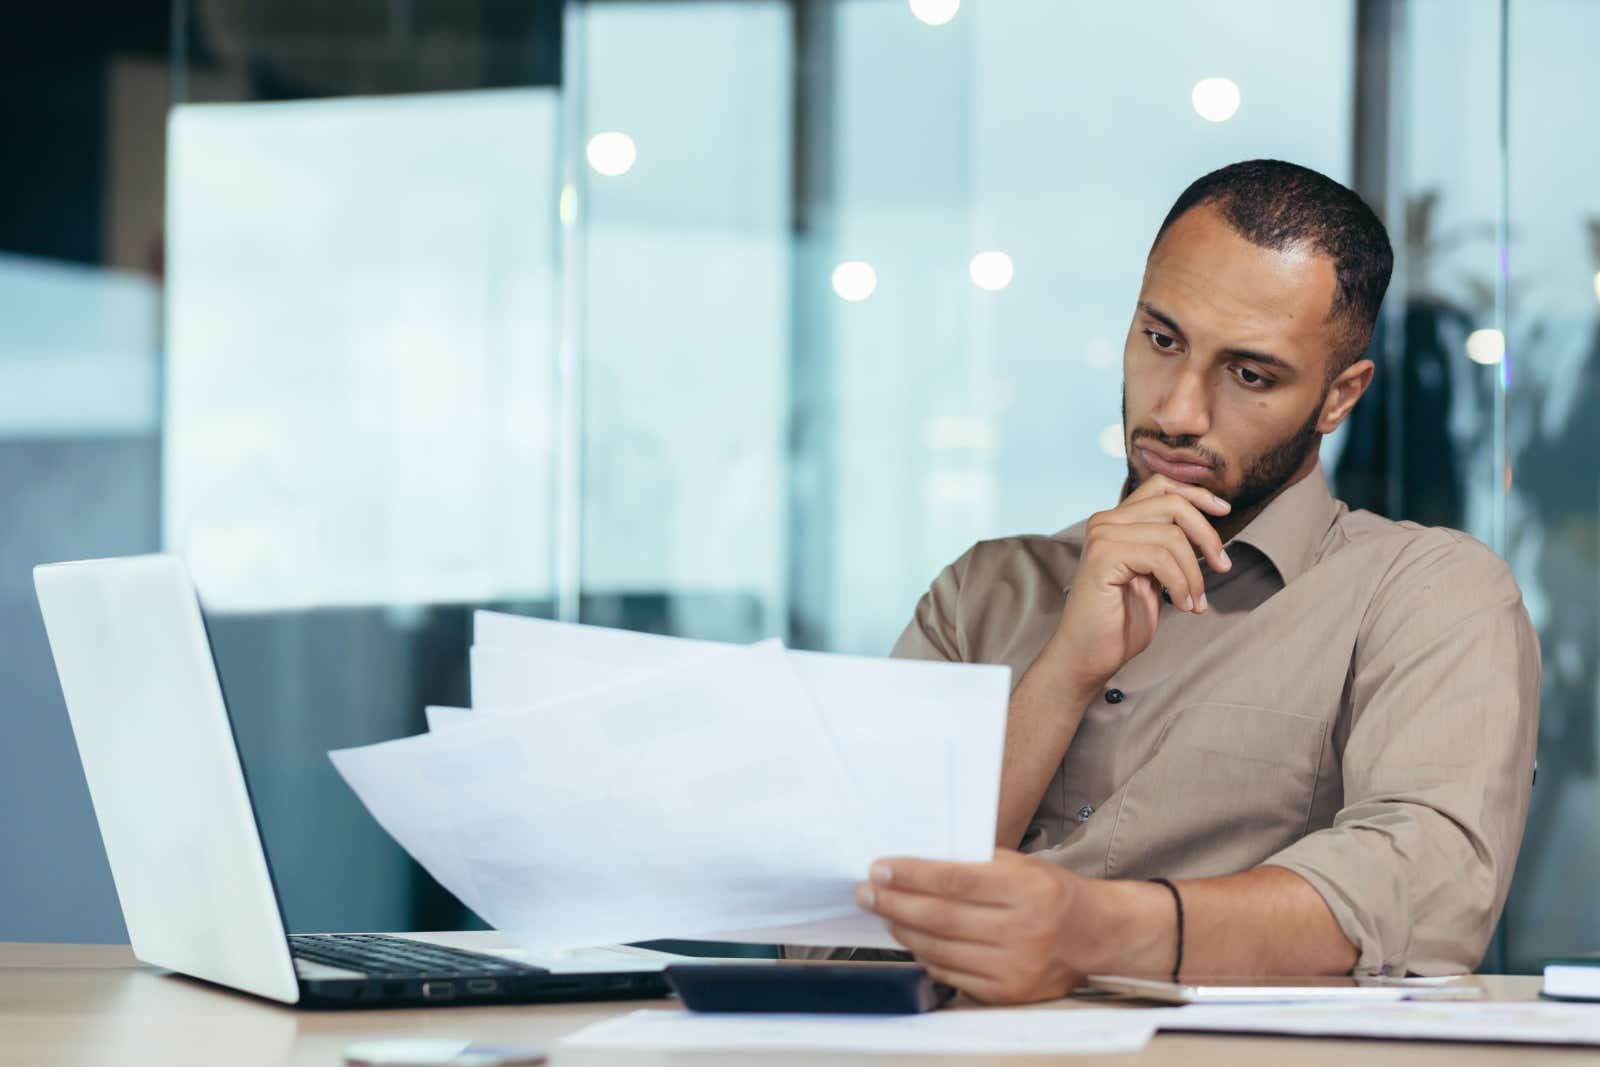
(1177, 511)
(1148, 592)
(1159, 485)
(952, 920)
(1192, 597)
(985, 961)
(974, 985)
(977, 883)
(1129, 560)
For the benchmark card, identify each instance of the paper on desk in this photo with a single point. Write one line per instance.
(1432, 1020)
(615, 817)
(906, 730)
(971, 1032)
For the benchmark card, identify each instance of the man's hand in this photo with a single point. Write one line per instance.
(1021, 928)
(1147, 542)
(1006, 932)
(1132, 551)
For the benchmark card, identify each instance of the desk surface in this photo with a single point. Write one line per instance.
(88, 1005)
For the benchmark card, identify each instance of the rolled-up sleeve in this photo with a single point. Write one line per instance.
(932, 632)
(1436, 759)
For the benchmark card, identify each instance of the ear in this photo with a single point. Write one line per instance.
(1343, 392)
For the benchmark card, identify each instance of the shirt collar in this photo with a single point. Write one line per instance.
(1290, 530)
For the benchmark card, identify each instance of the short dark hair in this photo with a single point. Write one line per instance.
(1280, 205)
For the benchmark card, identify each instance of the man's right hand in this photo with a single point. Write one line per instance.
(1144, 544)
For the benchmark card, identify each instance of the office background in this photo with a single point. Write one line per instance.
(721, 318)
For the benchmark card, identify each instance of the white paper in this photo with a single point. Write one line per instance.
(906, 730)
(1533, 1022)
(443, 718)
(994, 1031)
(670, 807)
(920, 742)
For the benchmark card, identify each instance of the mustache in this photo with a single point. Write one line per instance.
(1188, 443)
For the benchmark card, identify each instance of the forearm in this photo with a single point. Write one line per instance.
(1261, 922)
(1044, 714)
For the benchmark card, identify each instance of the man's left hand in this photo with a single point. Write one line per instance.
(1013, 930)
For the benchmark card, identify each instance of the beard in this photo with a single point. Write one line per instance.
(1265, 475)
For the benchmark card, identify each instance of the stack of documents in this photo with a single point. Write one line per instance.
(995, 1031)
(608, 786)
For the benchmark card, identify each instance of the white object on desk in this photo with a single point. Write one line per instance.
(1285, 990)
(994, 1031)
(1520, 1023)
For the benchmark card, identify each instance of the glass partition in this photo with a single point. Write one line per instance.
(1552, 344)
(361, 396)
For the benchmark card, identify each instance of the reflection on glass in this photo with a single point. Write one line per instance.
(361, 321)
(1553, 507)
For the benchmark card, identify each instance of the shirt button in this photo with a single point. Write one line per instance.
(1114, 696)
(1084, 813)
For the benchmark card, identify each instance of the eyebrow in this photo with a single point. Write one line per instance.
(1264, 358)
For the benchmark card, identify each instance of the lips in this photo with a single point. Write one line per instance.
(1176, 466)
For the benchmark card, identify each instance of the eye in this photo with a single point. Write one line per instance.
(1162, 342)
(1252, 379)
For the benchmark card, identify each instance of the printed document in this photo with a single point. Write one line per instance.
(609, 787)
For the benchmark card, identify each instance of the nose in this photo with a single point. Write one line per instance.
(1185, 411)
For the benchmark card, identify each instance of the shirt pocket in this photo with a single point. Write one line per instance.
(1227, 786)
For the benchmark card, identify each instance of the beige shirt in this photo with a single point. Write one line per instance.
(1359, 706)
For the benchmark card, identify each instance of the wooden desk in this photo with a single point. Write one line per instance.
(92, 1005)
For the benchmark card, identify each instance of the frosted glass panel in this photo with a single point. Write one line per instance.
(362, 326)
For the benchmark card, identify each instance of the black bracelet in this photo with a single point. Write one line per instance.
(1178, 900)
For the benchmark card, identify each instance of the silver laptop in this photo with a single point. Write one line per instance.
(170, 794)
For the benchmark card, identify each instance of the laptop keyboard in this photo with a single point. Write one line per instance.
(399, 957)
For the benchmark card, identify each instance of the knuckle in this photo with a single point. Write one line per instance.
(958, 882)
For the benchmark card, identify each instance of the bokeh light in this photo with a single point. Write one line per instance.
(1486, 346)
(612, 153)
(935, 12)
(991, 270)
(854, 280)
(1215, 99)
(1112, 442)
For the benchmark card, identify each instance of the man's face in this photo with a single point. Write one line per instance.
(1225, 367)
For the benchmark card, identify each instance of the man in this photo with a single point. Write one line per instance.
(1318, 724)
